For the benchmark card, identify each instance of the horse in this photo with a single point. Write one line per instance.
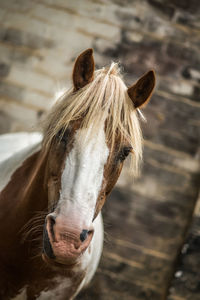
(53, 190)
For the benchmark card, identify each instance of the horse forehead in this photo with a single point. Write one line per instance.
(84, 169)
(84, 166)
(87, 142)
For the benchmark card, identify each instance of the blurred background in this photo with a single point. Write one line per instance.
(152, 224)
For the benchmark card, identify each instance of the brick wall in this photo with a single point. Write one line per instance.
(38, 43)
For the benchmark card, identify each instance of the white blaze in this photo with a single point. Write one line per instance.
(83, 175)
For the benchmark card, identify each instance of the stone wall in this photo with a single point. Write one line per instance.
(185, 284)
(148, 220)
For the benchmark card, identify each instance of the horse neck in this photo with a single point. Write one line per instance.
(23, 196)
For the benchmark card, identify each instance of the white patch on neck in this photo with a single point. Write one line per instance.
(59, 291)
(83, 174)
(15, 148)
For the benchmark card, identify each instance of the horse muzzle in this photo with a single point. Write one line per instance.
(64, 243)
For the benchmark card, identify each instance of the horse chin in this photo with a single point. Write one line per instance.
(61, 264)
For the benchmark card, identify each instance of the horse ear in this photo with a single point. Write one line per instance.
(83, 69)
(140, 92)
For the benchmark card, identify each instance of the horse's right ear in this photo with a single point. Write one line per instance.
(83, 69)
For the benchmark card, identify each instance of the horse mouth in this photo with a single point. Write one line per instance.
(54, 263)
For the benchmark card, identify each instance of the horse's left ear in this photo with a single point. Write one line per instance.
(140, 92)
(83, 69)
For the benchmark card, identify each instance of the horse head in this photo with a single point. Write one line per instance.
(88, 135)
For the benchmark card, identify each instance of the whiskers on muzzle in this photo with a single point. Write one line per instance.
(33, 229)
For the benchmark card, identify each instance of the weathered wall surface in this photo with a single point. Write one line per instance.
(146, 221)
(185, 283)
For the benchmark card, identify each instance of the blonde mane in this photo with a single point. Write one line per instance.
(105, 99)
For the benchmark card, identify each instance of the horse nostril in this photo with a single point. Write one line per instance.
(84, 235)
(52, 222)
(47, 245)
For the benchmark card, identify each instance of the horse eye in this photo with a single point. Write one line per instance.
(61, 136)
(124, 153)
